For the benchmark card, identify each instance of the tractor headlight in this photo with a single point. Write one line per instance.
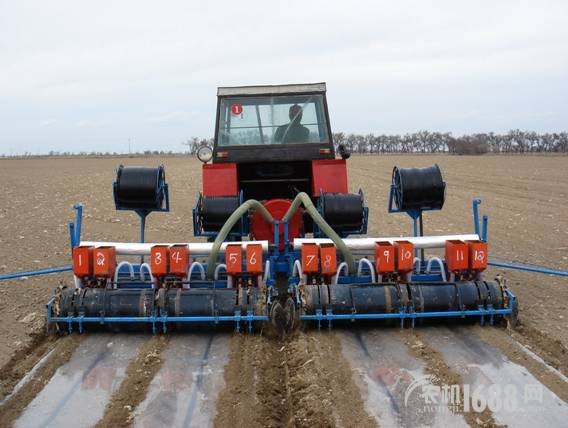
(204, 154)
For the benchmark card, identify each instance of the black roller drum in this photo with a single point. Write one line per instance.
(139, 187)
(343, 211)
(363, 298)
(201, 302)
(215, 210)
(418, 188)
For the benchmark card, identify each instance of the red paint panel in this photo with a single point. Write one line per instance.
(220, 179)
(329, 175)
(263, 231)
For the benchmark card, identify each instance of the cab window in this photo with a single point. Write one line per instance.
(294, 119)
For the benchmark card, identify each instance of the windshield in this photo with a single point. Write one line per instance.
(292, 119)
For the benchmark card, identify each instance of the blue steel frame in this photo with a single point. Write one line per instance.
(154, 320)
(407, 312)
(414, 214)
(57, 269)
(281, 261)
(326, 314)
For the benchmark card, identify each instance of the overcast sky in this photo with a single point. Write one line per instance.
(90, 75)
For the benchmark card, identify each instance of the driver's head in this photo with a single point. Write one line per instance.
(295, 113)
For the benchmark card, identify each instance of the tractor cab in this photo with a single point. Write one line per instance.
(272, 123)
(271, 134)
(272, 143)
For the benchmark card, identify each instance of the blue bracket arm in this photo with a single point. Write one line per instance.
(484, 228)
(476, 203)
(479, 231)
(538, 269)
(75, 227)
(45, 271)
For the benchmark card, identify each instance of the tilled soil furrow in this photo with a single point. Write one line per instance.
(15, 405)
(139, 373)
(443, 374)
(19, 365)
(322, 385)
(300, 381)
(255, 385)
(550, 349)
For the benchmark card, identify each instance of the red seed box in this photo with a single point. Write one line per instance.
(328, 257)
(477, 255)
(234, 259)
(384, 257)
(83, 261)
(179, 260)
(159, 255)
(457, 253)
(310, 259)
(254, 258)
(104, 259)
(404, 255)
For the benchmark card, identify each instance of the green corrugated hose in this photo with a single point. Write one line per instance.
(231, 221)
(301, 198)
(304, 199)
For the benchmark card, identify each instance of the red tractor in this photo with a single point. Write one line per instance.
(271, 143)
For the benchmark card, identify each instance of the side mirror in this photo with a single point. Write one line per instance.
(343, 152)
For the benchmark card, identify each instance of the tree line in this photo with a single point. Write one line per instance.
(515, 141)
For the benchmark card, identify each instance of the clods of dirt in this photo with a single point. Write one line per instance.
(301, 381)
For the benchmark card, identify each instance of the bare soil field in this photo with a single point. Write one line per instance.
(526, 199)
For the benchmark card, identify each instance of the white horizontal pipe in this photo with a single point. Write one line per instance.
(143, 249)
(368, 244)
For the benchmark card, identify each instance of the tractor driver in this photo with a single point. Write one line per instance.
(293, 132)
